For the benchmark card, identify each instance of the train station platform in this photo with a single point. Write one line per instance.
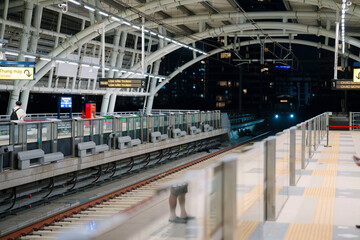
(325, 203)
(322, 200)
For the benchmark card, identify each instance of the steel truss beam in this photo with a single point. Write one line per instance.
(317, 45)
(225, 30)
(253, 15)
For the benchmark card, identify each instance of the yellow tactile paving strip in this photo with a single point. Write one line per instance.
(309, 232)
(250, 198)
(246, 228)
(322, 224)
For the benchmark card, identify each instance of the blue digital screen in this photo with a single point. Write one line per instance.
(65, 102)
(282, 67)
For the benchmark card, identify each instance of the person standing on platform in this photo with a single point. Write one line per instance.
(357, 162)
(177, 193)
(17, 113)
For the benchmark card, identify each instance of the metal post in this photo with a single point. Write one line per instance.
(229, 197)
(39, 135)
(327, 129)
(103, 52)
(319, 130)
(143, 48)
(303, 145)
(336, 46)
(12, 142)
(292, 156)
(309, 137)
(350, 121)
(73, 133)
(270, 179)
(315, 132)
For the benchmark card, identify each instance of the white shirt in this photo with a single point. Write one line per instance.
(20, 113)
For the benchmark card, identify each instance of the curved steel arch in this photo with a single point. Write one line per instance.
(253, 15)
(246, 43)
(353, 9)
(73, 43)
(247, 26)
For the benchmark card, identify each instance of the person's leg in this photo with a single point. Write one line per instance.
(183, 213)
(357, 160)
(172, 204)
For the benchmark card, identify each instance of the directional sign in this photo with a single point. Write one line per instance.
(356, 77)
(345, 85)
(16, 73)
(122, 82)
(65, 102)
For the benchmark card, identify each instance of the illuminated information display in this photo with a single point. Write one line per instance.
(16, 73)
(65, 102)
(345, 85)
(356, 77)
(122, 82)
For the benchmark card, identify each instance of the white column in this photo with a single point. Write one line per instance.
(33, 46)
(14, 95)
(5, 13)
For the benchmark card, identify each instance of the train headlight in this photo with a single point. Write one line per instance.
(276, 116)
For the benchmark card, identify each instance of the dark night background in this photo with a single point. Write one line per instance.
(217, 83)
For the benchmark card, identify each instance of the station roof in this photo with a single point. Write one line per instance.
(64, 31)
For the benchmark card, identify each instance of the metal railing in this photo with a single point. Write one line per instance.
(62, 135)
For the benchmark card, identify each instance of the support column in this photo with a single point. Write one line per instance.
(14, 95)
(5, 13)
(112, 103)
(150, 100)
(110, 74)
(33, 46)
(51, 73)
(119, 64)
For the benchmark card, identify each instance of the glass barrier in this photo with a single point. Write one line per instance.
(64, 129)
(214, 201)
(282, 169)
(250, 190)
(31, 133)
(298, 149)
(86, 127)
(307, 142)
(45, 132)
(153, 217)
(4, 134)
(108, 125)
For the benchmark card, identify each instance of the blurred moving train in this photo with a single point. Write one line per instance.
(285, 111)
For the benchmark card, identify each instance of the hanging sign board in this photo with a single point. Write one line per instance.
(17, 73)
(122, 82)
(344, 85)
(356, 76)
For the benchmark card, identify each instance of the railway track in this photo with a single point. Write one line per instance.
(122, 200)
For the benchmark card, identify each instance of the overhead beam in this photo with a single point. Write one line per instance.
(253, 15)
(225, 30)
(317, 45)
